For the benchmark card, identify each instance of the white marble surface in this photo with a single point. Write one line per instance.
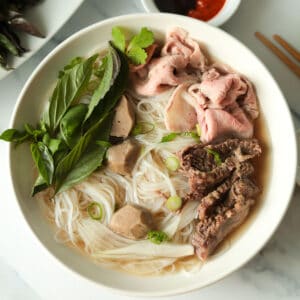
(28, 272)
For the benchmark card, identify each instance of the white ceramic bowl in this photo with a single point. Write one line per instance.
(227, 11)
(278, 189)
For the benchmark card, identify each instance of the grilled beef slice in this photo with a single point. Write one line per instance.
(224, 190)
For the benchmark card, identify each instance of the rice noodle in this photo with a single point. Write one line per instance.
(149, 186)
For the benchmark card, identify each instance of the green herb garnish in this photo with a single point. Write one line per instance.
(216, 155)
(142, 128)
(157, 237)
(172, 163)
(71, 140)
(95, 211)
(135, 50)
(171, 136)
(174, 203)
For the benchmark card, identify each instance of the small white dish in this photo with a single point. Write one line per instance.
(227, 11)
(282, 151)
(49, 16)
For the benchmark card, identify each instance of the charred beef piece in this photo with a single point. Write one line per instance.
(232, 210)
(223, 189)
(202, 170)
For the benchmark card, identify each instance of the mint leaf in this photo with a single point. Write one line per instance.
(137, 55)
(142, 40)
(118, 38)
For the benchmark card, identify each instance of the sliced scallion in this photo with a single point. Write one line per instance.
(95, 211)
(142, 128)
(174, 203)
(216, 156)
(169, 137)
(191, 134)
(172, 163)
(198, 129)
(157, 237)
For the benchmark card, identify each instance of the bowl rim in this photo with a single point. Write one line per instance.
(179, 290)
(219, 19)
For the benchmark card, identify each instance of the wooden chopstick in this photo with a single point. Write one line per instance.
(285, 59)
(288, 47)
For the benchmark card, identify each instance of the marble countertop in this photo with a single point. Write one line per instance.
(27, 272)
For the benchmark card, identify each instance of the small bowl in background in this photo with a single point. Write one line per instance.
(226, 12)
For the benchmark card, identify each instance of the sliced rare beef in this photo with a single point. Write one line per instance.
(181, 60)
(231, 212)
(218, 177)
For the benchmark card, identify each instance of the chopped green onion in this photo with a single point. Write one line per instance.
(169, 137)
(95, 211)
(172, 163)
(191, 134)
(157, 237)
(142, 128)
(174, 203)
(216, 155)
(198, 129)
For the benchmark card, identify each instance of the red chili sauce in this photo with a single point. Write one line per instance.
(206, 9)
(199, 9)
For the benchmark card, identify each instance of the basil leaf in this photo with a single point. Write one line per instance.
(75, 61)
(100, 131)
(14, 135)
(112, 68)
(99, 72)
(54, 145)
(70, 125)
(67, 90)
(39, 185)
(114, 94)
(43, 161)
(85, 166)
(36, 134)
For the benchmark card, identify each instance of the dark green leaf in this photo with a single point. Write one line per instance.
(86, 165)
(114, 94)
(39, 185)
(118, 38)
(112, 69)
(67, 90)
(43, 161)
(85, 145)
(8, 44)
(54, 145)
(71, 123)
(104, 144)
(14, 135)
